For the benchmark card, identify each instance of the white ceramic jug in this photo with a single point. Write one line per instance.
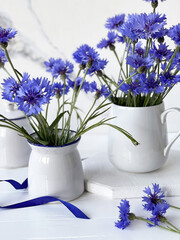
(55, 171)
(148, 126)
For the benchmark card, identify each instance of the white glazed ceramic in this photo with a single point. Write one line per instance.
(148, 126)
(14, 150)
(55, 171)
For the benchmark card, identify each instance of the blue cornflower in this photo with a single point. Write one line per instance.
(154, 196)
(58, 89)
(11, 86)
(109, 42)
(125, 215)
(87, 56)
(161, 53)
(139, 50)
(102, 91)
(176, 61)
(124, 86)
(160, 34)
(3, 58)
(6, 35)
(62, 69)
(135, 87)
(174, 33)
(115, 22)
(136, 61)
(158, 213)
(151, 23)
(130, 28)
(85, 86)
(49, 64)
(150, 84)
(153, 1)
(168, 79)
(33, 94)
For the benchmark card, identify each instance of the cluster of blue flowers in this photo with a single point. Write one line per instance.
(154, 202)
(146, 54)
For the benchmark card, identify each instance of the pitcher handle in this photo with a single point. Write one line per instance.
(163, 120)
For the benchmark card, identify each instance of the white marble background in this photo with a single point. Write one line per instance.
(55, 28)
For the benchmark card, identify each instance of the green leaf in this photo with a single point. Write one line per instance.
(56, 121)
(124, 132)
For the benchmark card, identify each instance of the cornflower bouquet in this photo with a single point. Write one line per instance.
(148, 68)
(153, 202)
(33, 95)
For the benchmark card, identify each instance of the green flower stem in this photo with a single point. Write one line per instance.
(148, 221)
(9, 60)
(120, 64)
(47, 107)
(122, 61)
(111, 81)
(74, 99)
(102, 122)
(175, 207)
(56, 128)
(171, 60)
(170, 224)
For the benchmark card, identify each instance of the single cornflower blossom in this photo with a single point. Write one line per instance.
(125, 216)
(3, 58)
(87, 57)
(77, 83)
(5, 35)
(161, 53)
(153, 1)
(99, 91)
(49, 64)
(136, 61)
(109, 42)
(59, 89)
(153, 197)
(33, 94)
(158, 213)
(168, 79)
(176, 61)
(174, 33)
(115, 22)
(62, 68)
(11, 86)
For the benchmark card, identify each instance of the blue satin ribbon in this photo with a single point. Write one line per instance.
(41, 200)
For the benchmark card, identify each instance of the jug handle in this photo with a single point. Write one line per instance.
(163, 120)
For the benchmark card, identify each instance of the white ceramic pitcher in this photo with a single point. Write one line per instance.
(55, 171)
(148, 126)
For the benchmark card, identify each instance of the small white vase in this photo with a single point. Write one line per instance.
(14, 149)
(148, 126)
(55, 171)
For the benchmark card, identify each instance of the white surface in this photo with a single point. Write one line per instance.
(104, 179)
(55, 222)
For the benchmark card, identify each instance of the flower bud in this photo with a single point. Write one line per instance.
(98, 94)
(161, 39)
(141, 69)
(99, 73)
(63, 77)
(4, 44)
(131, 216)
(154, 4)
(111, 47)
(1, 64)
(162, 219)
(82, 66)
(89, 63)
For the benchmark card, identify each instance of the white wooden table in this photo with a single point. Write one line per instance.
(54, 221)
